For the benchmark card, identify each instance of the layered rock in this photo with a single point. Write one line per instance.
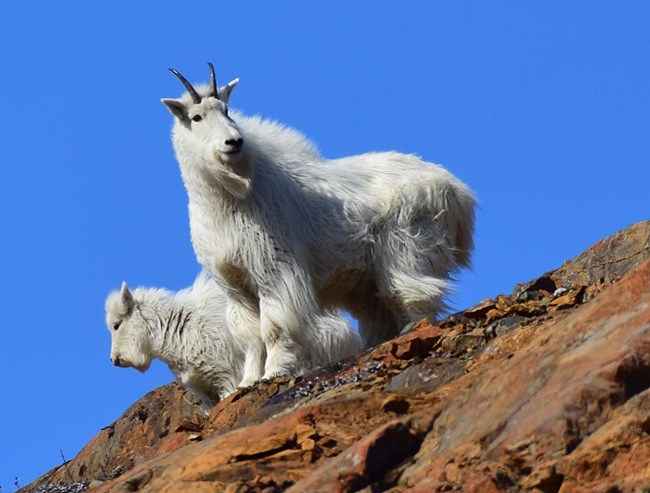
(545, 389)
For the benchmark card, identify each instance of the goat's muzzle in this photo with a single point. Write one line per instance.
(234, 145)
(117, 361)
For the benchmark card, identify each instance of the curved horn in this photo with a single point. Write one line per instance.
(195, 95)
(213, 83)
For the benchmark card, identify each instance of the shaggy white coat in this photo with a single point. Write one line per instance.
(290, 233)
(190, 332)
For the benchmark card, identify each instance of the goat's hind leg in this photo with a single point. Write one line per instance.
(377, 322)
(419, 296)
(413, 271)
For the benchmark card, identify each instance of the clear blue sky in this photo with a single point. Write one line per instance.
(541, 107)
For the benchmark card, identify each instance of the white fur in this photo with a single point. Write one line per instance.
(290, 233)
(190, 332)
(187, 330)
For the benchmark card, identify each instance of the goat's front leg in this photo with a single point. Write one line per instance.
(254, 360)
(282, 353)
(285, 315)
(244, 321)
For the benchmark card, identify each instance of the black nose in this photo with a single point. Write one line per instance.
(236, 143)
(117, 361)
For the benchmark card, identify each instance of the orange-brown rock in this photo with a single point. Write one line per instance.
(163, 420)
(543, 390)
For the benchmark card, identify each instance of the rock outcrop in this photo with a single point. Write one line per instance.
(544, 390)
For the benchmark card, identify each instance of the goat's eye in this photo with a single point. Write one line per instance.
(197, 118)
(226, 112)
(116, 325)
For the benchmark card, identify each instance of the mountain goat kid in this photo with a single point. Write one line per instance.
(187, 330)
(290, 232)
(190, 332)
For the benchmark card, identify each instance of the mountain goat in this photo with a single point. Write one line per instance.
(190, 332)
(290, 232)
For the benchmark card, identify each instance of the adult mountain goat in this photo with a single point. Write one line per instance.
(290, 232)
(190, 332)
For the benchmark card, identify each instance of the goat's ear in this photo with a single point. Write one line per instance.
(176, 107)
(127, 298)
(224, 92)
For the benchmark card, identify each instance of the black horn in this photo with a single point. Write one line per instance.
(213, 83)
(195, 95)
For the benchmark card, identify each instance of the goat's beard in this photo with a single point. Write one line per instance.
(235, 162)
(142, 368)
(142, 365)
(234, 173)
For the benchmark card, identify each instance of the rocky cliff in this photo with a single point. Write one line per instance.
(544, 389)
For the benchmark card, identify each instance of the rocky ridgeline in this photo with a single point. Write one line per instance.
(542, 390)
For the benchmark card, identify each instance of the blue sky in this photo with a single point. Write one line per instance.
(541, 107)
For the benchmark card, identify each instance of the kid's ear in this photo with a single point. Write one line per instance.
(176, 107)
(224, 92)
(127, 298)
